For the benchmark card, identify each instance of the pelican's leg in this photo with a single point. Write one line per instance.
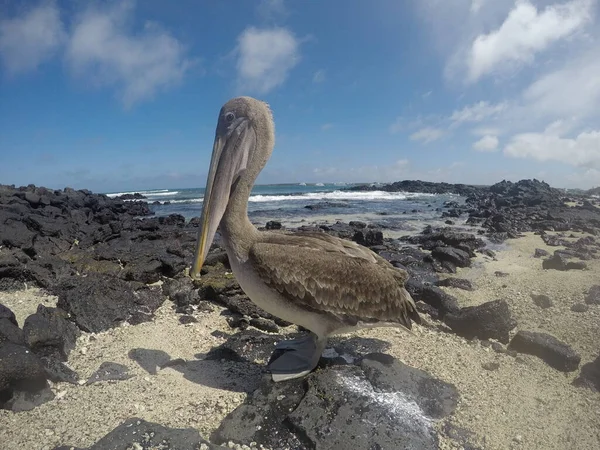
(296, 358)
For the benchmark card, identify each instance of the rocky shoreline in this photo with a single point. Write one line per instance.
(108, 261)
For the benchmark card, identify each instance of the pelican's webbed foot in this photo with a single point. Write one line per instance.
(295, 358)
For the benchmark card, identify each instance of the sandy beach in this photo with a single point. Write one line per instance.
(522, 404)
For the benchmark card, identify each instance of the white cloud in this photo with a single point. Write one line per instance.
(319, 76)
(581, 151)
(427, 135)
(573, 89)
(487, 143)
(477, 112)
(28, 41)
(272, 10)
(265, 58)
(326, 126)
(476, 5)
(525, 32)
(103, 50)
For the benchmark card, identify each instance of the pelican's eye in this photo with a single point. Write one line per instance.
(230, 117)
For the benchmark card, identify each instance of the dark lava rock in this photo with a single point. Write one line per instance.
(10, 332)
(326, 205)
(185, 319)
(432, 295)
(500, 274)
(459, 283)
(488, 320)
(368, 237)
(593, 295)
(264, 324)
(110, 371)
(456, 256)
(558, 261)
(580, 307)
(138, 434)
(543, 301)
(273, 225)
(57, 371)
(248, 345)
(49, 332)
(556, 353)
(491, 366)
(20, 370)
(378, 404)
(181, 291)
(539, 253)
(6, 313)
(98, 302)
(430, 239)
(590, 375)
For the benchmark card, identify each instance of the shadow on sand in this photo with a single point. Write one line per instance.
(239, 364)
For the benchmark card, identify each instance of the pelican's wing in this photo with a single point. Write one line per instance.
(334, 276)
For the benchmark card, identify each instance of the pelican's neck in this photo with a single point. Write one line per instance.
(237, 230)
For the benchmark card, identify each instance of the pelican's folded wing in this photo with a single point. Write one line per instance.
(326, 277)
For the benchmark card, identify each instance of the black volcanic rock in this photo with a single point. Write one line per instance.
(134, 196)
(136, 433)
(418, 186)
(459, 283)
(379, 403)
(20, 371)
(98, 302)
(541, 300)
(273, 225)
(593, 295)
(554, 352)
(458, 257)
(49, 332)
(590, 375)
(488, 320)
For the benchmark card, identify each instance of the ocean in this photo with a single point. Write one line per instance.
(303, 204)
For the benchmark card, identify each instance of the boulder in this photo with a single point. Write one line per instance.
(377, 403)
(456, 256)
(20, 370)
(555, 353)
(136, 433)
(48, 332)
(593, 295)
(488, 320)
(98, 302)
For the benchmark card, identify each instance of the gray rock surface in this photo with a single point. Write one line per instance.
(377, 403)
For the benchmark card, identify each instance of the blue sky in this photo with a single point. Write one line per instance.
(116, 96)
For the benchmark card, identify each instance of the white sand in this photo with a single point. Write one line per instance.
(525, 404)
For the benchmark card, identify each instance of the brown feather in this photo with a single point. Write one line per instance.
(323, 273)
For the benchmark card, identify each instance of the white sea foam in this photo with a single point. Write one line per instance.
(339, 195)
(159, 194)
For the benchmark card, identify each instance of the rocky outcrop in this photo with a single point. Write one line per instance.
(425, 187)
(337, 406)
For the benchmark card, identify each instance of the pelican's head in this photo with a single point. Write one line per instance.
(243, 144)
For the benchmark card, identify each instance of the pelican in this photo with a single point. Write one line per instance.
(325, 284)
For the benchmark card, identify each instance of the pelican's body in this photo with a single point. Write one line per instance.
(322, 283)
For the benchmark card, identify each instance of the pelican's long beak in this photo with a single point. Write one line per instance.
(229, 159)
